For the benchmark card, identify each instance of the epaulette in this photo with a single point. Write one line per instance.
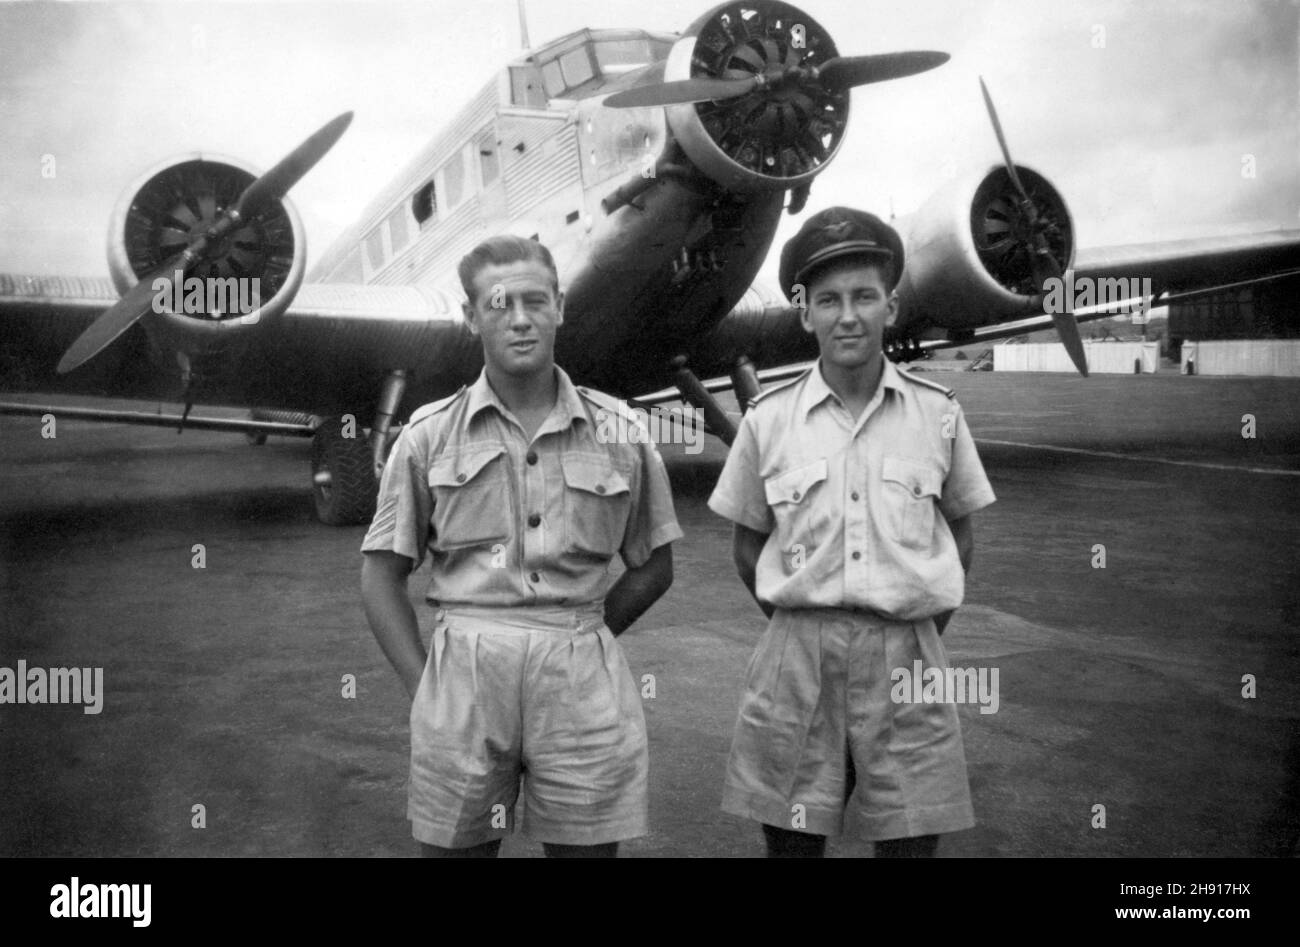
(947, 392)
(779, 386)
(606, 401)
(435, 407)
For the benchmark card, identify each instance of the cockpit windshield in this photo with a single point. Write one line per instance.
(579, 69)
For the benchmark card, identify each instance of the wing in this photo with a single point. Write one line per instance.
(766, 329)
(327, 351)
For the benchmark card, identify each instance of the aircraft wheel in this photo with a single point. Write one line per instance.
(343, 479)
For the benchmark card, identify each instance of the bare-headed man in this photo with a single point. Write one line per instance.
(520, 509)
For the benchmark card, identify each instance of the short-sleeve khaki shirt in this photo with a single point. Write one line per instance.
(507, 522)
(856, 509)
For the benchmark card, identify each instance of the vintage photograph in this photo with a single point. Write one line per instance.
(613, 429)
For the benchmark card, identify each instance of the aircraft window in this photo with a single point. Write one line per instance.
(453, 179)
(623, 55)
(488, 162)
(423, 204)
(375, 249)
(576, 66)
(526, 88)
(551, 76)
(398, 232)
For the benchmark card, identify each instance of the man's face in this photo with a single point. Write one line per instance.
(848, 308)
(516, 312)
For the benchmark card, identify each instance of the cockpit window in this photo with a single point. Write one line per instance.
(552, 79)
(617, 56)
(599, 59)
(576, 66)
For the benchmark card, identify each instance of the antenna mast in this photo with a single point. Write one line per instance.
(523, 25)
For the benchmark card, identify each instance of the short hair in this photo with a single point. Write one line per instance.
(503, 250)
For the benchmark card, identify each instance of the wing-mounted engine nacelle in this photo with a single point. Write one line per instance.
(245, 285)
(779, 136)
(969, 259)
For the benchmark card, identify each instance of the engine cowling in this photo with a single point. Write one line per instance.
(968, 260)
(773, 138)
(245, 285)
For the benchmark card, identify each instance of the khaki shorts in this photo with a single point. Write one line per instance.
(817, 702)
(542, 693)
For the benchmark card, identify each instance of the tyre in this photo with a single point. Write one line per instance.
(343, 479)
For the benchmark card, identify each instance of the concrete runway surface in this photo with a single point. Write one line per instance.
(1119, 687)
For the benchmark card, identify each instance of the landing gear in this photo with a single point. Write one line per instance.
(342, 474)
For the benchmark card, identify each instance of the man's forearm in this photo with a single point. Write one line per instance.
(749, 577)
(963, 535)
(393, 621)
(746, 547)
(637, 589)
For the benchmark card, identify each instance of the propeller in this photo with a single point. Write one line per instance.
(835, 75)
(1045, 266)
(261, 193)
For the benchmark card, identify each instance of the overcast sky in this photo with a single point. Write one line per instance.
(1140, 113)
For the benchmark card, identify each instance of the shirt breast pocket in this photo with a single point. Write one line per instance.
(802, 512)
(471, 498)
(597, 502)
(911, 495)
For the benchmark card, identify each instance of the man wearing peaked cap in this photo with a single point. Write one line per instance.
(836, 233)
(851, 491)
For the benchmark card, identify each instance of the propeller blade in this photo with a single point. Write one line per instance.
(123, 314)
(844, 72)
(1002, 143)
(274, 184)
(1044, 264)
(679, 93)
(1068, 331)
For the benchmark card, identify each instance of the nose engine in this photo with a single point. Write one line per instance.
(757, 95)
(784, 131)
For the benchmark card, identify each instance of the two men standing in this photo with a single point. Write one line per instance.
(850, 490)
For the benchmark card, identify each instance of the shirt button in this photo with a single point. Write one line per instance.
(855, 496)
(460, 478)
(916, 490)
(796, 495)
(857, 555)
(534, 577)
(531, 457)
(535, 520)
(600, 488)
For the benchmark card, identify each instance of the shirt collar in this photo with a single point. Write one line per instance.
(815, 389)
(568, 404)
